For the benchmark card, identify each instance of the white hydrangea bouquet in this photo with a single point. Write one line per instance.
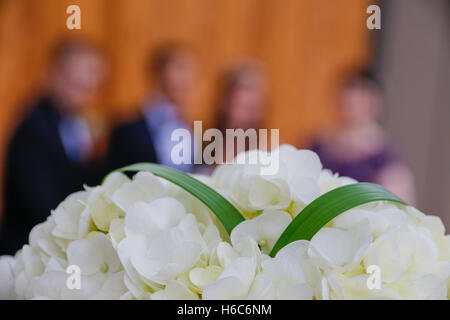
(300, 234)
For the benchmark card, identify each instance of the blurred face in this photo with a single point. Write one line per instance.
(247, 102)
(359, 104)
(76, 80)
(178, 78)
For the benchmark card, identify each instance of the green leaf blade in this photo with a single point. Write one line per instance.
(328, 206)
(228, 215)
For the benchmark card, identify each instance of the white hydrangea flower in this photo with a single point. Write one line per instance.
(402, 252)
(411, 264)
(101, 272)
(296, 180)
(145, 238)
(161, 243)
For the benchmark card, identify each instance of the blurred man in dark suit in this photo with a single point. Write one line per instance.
(47, 158)
(148, 138)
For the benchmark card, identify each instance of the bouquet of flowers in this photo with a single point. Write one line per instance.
(302, 233)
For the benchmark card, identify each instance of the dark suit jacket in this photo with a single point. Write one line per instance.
(38, 175)
(131, 143)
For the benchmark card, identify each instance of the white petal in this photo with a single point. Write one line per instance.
(298, 250)
(86, 255)
(67, 215)
(117, 231)
(304, 189)
(201, 277)
(102, 211)
(226, 254)
(212, 238)
(54, 265)
(268, 193)
(189, 226)
(339, 249)
(145, 187)
(109, 254)
(168, 254)
(128, 247)
(195, 206)
(50, 285)
(90, 287)
(234, 282)
(161, 214)
(33, 265)
(265, 229)
(284, 270)
(431, 287)
(174, 290)
(113, 288)
(299, 163)
(393, 252)
(40, 237)
(262, 288)
(329, 181)
(247, 247)
(295, 291)
(380, 221)
(113, 182)
(229, 288)
(7, 279)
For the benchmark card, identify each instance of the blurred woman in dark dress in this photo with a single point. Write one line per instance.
(240, 103)
(360, 148)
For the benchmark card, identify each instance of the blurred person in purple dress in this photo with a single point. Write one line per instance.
(359, 147)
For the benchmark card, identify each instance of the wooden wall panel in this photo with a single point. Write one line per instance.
(303, 42)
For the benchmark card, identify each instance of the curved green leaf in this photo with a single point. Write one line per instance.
(325, 208)
(222, 208)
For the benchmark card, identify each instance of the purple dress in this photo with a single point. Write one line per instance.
(364, 169)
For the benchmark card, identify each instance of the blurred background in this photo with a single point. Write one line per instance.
(304, 45)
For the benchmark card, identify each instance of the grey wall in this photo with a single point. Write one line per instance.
(414, 64)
